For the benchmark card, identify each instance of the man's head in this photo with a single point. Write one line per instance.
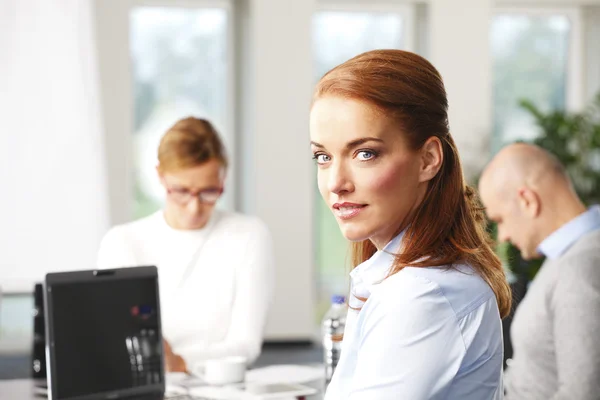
(528, 193)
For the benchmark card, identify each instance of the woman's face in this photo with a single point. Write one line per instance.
(192, 193)
(368, 176)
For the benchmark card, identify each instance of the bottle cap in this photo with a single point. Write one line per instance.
(337, 299)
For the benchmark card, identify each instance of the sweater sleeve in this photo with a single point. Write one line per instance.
(576, 303)
(254, 282)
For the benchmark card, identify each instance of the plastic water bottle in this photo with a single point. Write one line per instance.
(333, 326)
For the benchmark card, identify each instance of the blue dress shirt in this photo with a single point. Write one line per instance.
(424, 333)
(564, 237)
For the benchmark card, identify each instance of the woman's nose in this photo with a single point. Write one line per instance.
(339, 179)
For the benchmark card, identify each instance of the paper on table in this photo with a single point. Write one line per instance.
(181, 379)
(180, 382)
(220, 393)
(301, 374)
(285, 374)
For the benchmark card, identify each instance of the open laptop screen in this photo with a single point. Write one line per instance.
(105, 334)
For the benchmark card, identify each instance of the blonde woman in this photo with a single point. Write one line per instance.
(215, 267)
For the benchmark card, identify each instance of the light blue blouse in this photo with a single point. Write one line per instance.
(424, 333)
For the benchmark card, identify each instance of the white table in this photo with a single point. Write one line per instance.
(24, 389)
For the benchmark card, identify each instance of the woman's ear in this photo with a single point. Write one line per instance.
(432, 157)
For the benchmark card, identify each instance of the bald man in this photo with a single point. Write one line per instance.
(556, 329)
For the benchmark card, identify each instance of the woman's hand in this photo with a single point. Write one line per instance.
(173, 362)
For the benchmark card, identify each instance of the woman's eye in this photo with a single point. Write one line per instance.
(365, 155)
(322, 158)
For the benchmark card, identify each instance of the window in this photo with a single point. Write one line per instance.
(338, 34)
(181, 67)
(533, 58)
(16, 323)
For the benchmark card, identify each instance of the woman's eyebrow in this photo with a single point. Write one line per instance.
(358, 142)
(353, 143)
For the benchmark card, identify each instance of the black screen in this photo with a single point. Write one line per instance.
(106, 336)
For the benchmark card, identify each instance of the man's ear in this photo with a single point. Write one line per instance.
(432, 157)
(529, 202)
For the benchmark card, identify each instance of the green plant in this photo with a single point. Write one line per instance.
(574, 138)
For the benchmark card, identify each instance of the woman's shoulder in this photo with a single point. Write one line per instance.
(460, 286)
(116, 247)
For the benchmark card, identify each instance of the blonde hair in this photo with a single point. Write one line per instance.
(189, 143)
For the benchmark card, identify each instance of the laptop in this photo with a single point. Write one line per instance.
(103, 335)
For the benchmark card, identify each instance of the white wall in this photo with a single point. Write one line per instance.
(112, 37)
(459, 46)
(53, 206)
(279, 182)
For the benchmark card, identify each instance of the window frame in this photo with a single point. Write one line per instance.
(406, 10)
(123, 211)
(575, 85)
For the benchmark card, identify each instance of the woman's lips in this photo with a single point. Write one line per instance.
(347, 210)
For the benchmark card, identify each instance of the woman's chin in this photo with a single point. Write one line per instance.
(354, 235)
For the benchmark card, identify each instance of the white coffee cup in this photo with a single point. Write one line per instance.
(223, 371)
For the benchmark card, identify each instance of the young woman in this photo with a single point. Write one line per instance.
(215, 268)
(427, 290)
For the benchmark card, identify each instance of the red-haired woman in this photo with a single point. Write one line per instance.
(428, 292)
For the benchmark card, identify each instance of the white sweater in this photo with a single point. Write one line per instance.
(216, 306)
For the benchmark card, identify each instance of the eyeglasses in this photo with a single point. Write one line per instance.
(184, 196)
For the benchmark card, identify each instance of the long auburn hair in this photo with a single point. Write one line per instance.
(449, 226)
